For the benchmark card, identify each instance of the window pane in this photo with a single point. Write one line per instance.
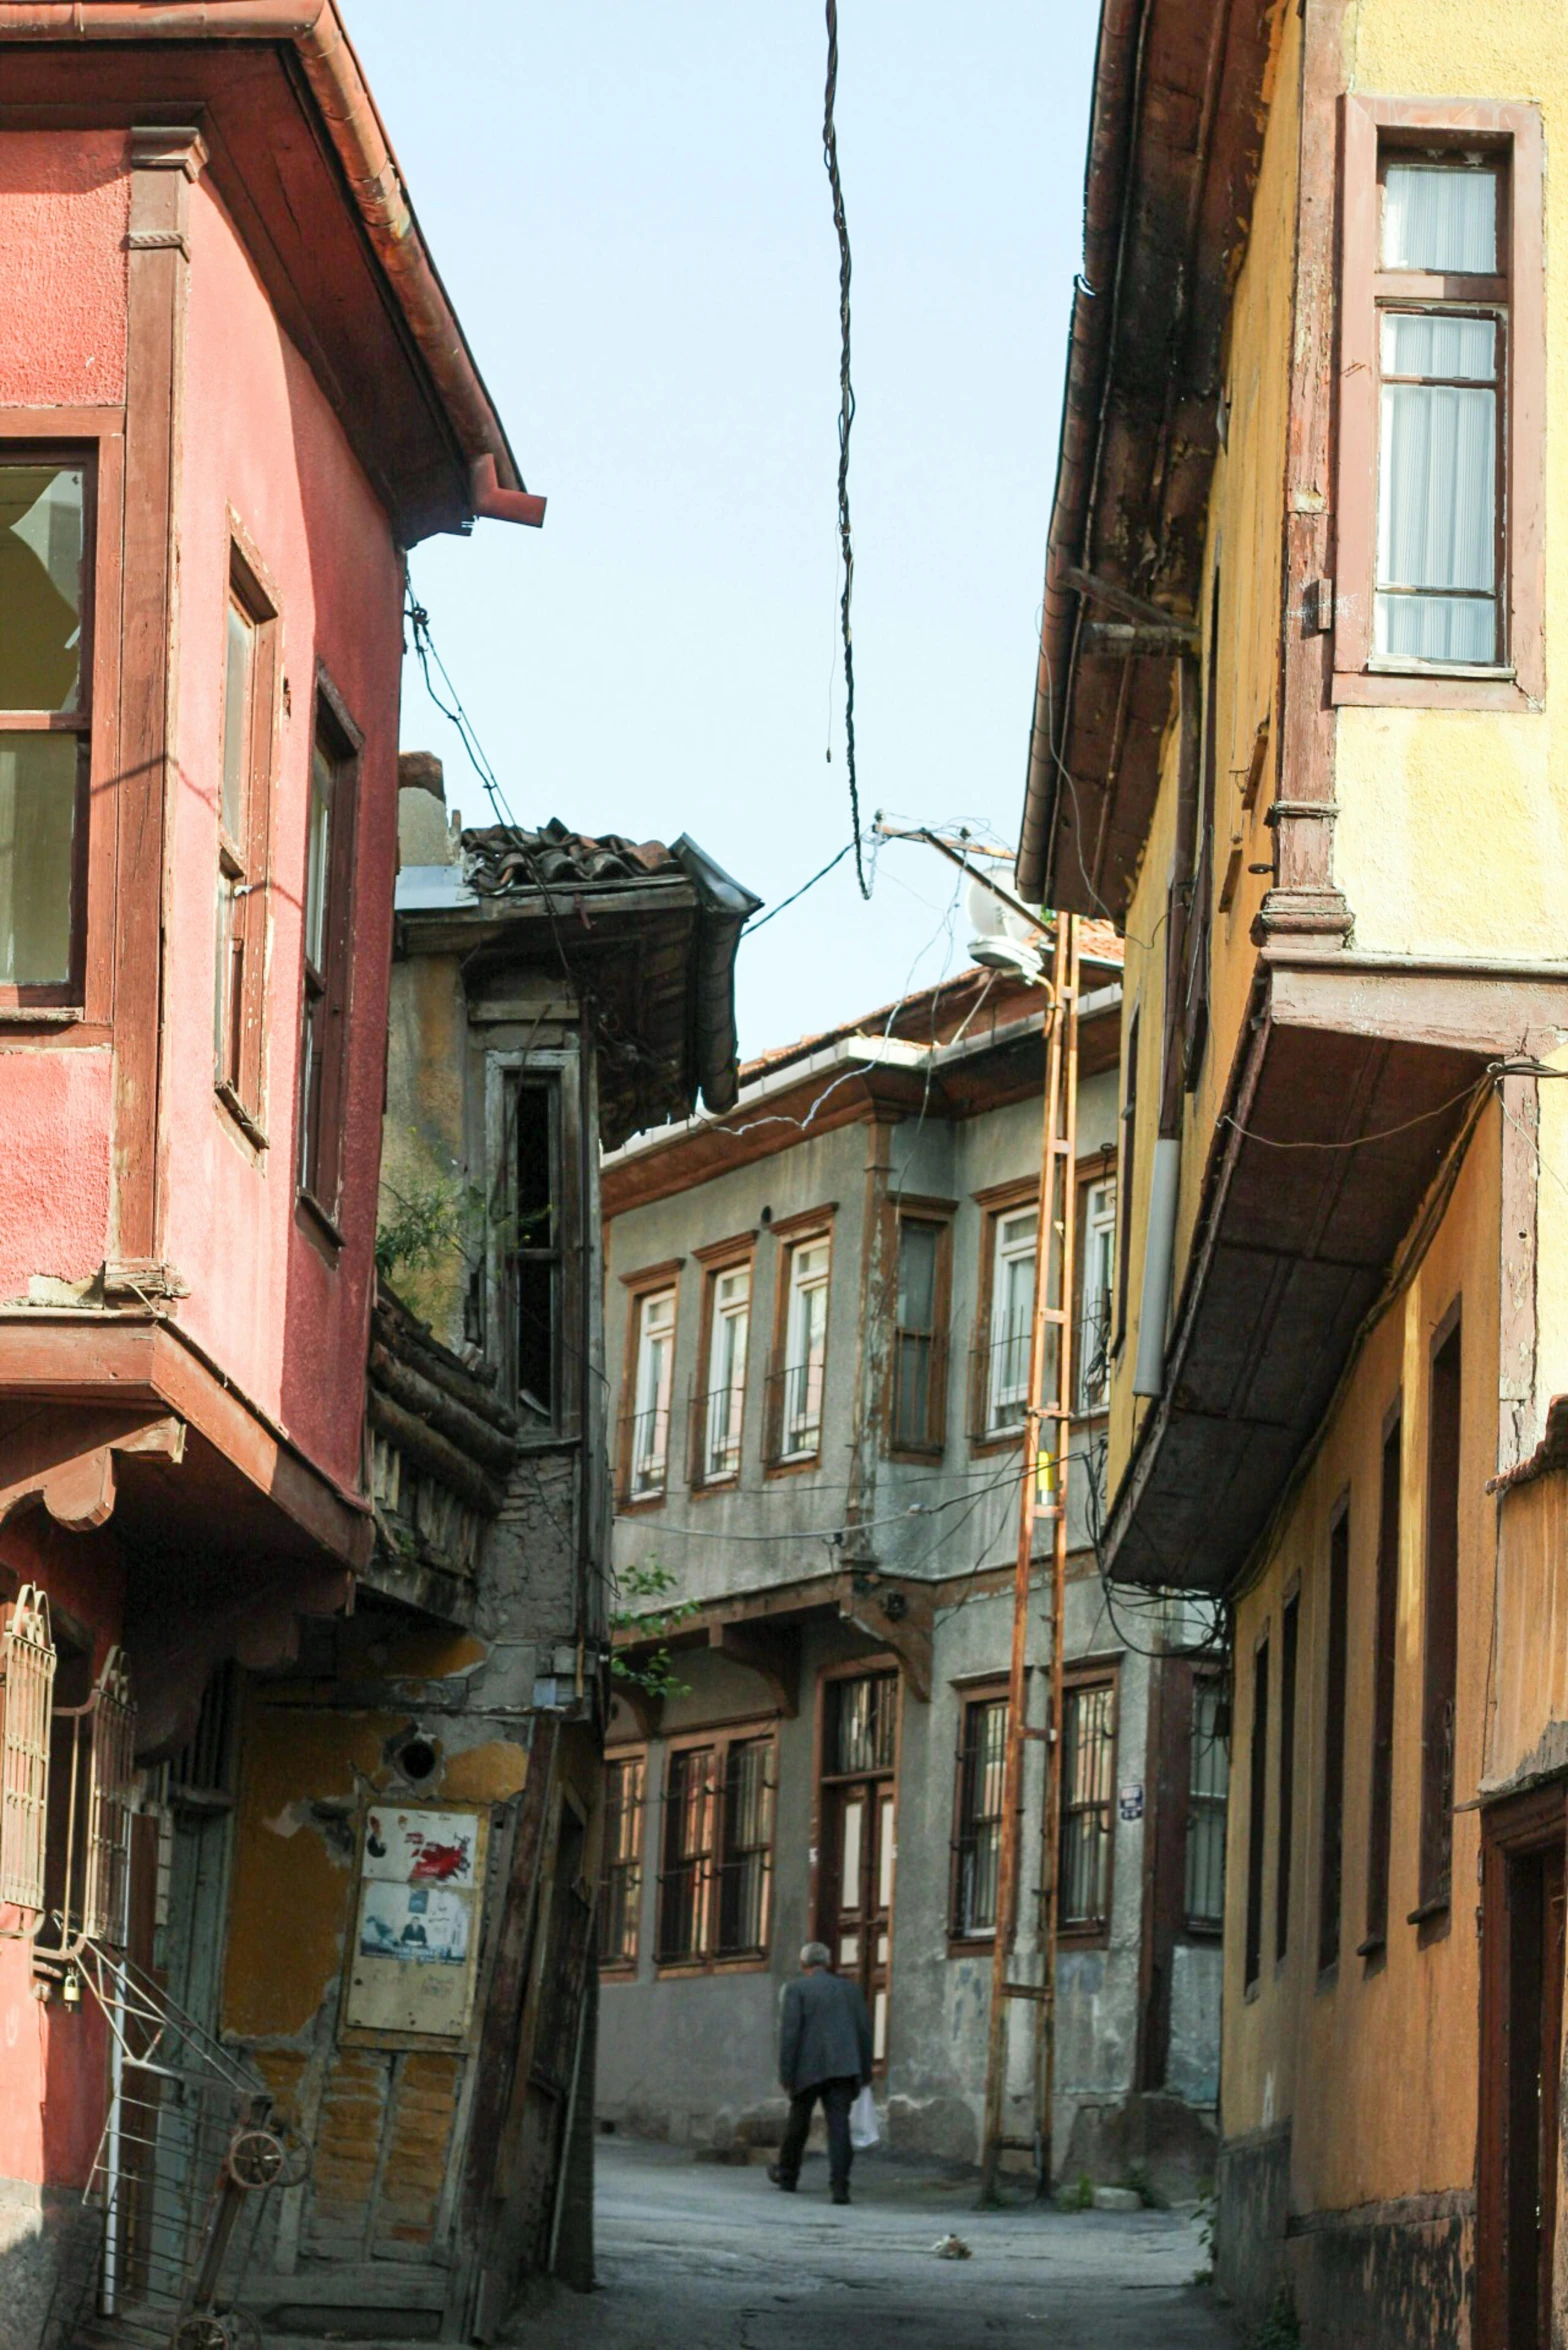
(40, 587)
(1437, 497)
(1432, 342)
(1440, 216)
(917, 1248)
(318, 848)
(38, 793)
(239, 656)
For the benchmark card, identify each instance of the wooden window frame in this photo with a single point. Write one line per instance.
(327, 993)
(1385, 1660)
(965, 1942)
(1285, 1774)
(1128, 1155)
(1257, 1818)
(1441, 1582)
(93, 438)
(1336, 1663)
(1095, 1168)
(794, 1233)
(717, 1259)
(624, 1966)
(650, 1281)
(718, 1740)
(1205, 1929)
(1374, 129)
(934, 1215)
(245, 864)
(1078, 1679)
(995, 1202)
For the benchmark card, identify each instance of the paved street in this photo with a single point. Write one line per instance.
(694, 2256)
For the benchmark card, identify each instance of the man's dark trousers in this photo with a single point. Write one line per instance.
(837, 2098)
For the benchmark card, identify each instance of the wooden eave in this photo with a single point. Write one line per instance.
(1011, 1070)
(286, 191)
(242, 1496)
(1175, 143)
(1352, 1084)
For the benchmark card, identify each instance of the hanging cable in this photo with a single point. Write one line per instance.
(846, 417)
(425, 650)
(762, 920)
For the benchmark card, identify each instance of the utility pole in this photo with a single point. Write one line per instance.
(1045, 1463)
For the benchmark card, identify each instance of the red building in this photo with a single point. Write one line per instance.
(232, 393)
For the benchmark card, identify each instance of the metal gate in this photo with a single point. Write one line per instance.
(188, 2153)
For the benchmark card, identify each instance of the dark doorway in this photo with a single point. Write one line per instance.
(1521, 2064)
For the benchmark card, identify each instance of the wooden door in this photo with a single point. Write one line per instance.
(1523, 1911)
(859, 1815)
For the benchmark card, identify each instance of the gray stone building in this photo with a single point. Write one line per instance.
(816, 1327)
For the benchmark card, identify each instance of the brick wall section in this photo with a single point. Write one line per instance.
(424, 2101)
(348, 2153)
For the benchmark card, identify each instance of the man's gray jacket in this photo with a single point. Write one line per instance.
(825, 2033)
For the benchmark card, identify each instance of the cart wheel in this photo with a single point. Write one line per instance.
(204, 2330)
(296, 2160)
(244, 2330)
(257, 2158)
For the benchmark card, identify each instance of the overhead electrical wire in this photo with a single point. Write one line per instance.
(846, 418)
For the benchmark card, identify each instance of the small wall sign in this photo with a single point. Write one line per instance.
(1130, 1802)
(416, 1938)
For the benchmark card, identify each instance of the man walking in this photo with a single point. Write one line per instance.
(824, 2051)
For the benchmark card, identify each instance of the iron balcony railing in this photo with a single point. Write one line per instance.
(717, 1420)
(919, 1390)
(644, 1453)
(794, 1411)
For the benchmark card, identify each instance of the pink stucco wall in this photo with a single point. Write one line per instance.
(54, 2058)
(65, 204)
(284, 1316)
(64, 209)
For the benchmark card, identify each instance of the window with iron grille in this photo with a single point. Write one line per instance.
(716, 1851)
(620, 1897)
(802, 1371)
(91, 1792)
(722, 1388)
(646, 1435)
(27, 1663)
(746, 1868)
(1208, 1781)
(1088, 1769)
(982, 1758)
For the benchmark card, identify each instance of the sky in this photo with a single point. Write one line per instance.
(627, 201)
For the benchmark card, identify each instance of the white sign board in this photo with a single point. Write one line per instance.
(416, 1922)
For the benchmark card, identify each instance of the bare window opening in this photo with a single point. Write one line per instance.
(45, 723)
(534, 1258)
(92, 1744)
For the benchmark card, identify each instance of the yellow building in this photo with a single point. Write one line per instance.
(1292, 731)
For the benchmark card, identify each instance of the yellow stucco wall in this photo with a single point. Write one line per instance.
(1373, 2062)
(1413, 784)
(1245, 540)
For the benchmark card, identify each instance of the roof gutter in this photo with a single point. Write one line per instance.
(326, 56)
(1118, 78)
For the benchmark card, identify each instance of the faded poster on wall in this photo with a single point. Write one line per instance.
(421, 1877)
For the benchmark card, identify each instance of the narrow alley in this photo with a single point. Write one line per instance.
(712, 2257)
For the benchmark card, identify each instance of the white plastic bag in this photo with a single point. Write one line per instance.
(863, 2131)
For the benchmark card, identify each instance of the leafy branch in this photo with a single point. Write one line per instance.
(656, 1672)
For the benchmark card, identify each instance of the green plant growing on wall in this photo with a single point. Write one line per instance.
(654, 1673)
(427, 1224)
(1204, 2218)
(1280, 2329)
